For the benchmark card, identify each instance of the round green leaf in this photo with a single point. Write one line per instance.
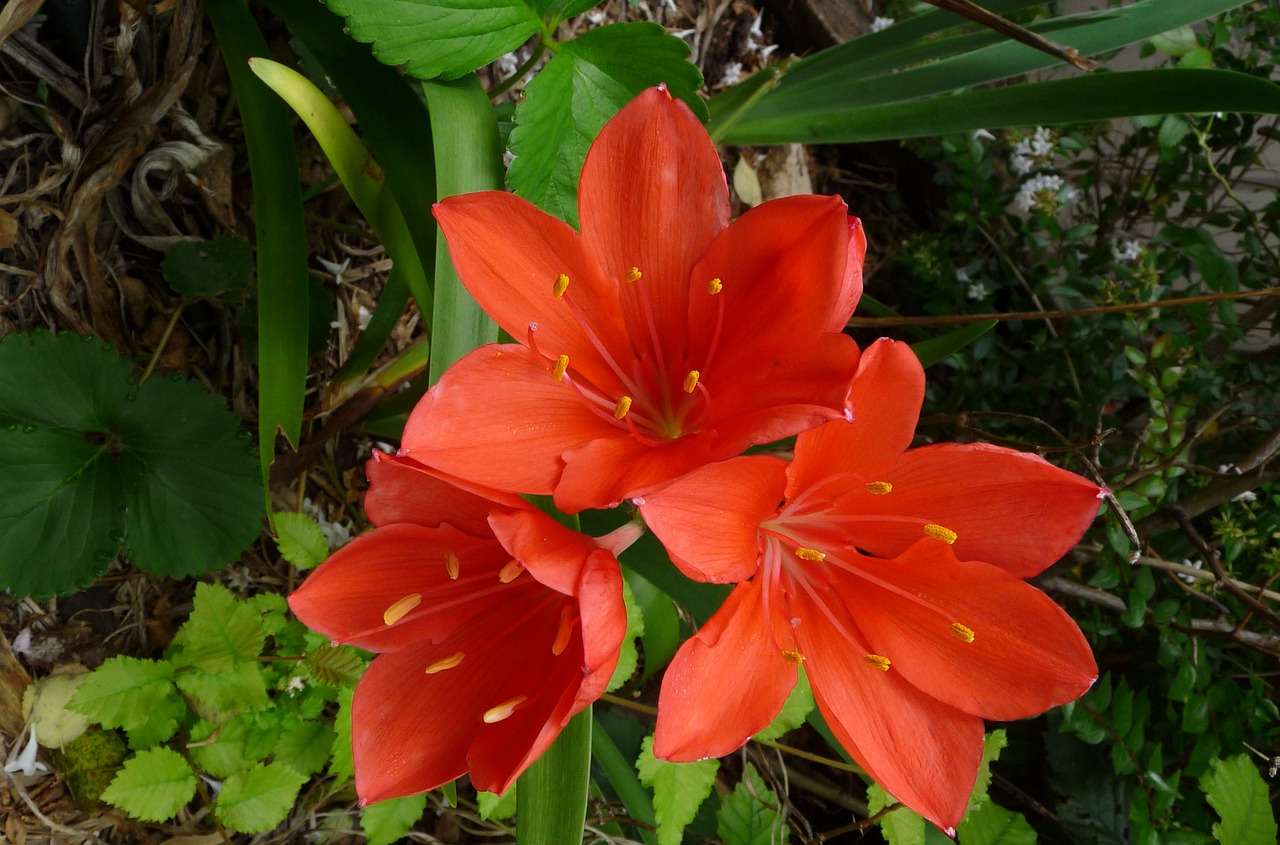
(95, 463)
(153, 786)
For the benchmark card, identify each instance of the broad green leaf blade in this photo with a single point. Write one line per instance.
(571, 99)
(216, 693)
(304, 746)
(258, 799)
(661, 635)
(281, 235)
(153, 786)
(992, 824)
(795, 710)
(1239, 795)
(385, 822)
(678, 790)
(208, 268)
(622, 777)
(123, 691)
(300, 540)
(439, 38)
(221, 631)
(161, 722)
(551, 802)
(225, 749)
(749, 815)
(938, 349)
(492, 806)
(902, 826)
(468, 158)
(1099, 96)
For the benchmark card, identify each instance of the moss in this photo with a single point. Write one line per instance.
(89, 763)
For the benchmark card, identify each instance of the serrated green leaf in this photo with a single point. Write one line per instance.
(95, 464)
(439, 38)
(215, 694)
(222, 630)
(749, 815)
(1239, 795)
(258, 799)
(335, 665)
(678, 790)
(208, 268)
(271, 609)
(340, 763)
(385, 822)
(628, 657)
(493, 806)
(299, 538)
(225, 749)
(304, 746)
(153, 785)
(161, 723)
(795, 710)
(585, 84)
(992, 744)
(991, 824)
(122, 692)
(902, 826)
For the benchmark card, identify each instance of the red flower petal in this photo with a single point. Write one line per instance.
(403, 490)
(709, 520)
(351, 595)
(885, 395)
(922, 751)
(851, 288)
(604, 472)
(726, 683)
(967, 633)
(498, 418)
(604, 624)
(552, 553)
(652, 196)
(509, 254)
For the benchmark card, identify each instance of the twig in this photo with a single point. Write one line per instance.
(1211, 555)
(1123, 308)
(991, 20)
(45, 820)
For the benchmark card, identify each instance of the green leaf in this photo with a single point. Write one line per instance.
(122, 692)
(304, 746)
(221, 630)
(1239, 795)
(197, 269)
(551, 805)
(259, 799)
(938, 349)
(153, 785)
(234, 746)
(678, 790)
(622, 777)
(161, 723)
(93, 462)
(902, 826)
(215, 693)
(299, 538)
(795, 710)
(335, 665)
(992, 744)
(628, 656)
(661, 636)
(386, 821)
(992, 824)
(439, 38)
(340, 763)
(566, 105)
(749, 815)
(493, 806)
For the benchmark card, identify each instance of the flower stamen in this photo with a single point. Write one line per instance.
(715, 286)
(962, 632)
(503, 710)
(620, 410)
(633, 275)
(562, 364)
(561, 285)
(452, 565)
(691, 381)
(567, 621)
(805, 553)
(878, 661)
(879, 488)
(511, 571)
(939, 532)
(792, 657)
(398, 608)
(445, 663)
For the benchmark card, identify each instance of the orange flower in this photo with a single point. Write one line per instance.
(482, 662)
(659, 339)
(893, 576)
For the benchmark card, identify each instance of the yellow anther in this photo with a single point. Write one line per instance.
(633, 275)
(879, 488)
(562, 364)
(962, 632)
(691, 381)
(878, 661)
(561, 285)
(446, 663)
(937, 532)
(452, 565)
(620, 410)
(715, 286)
(503, 710)
(511, 571)
(561, 641)
(792, 657)
(400, 607)
(809, 554)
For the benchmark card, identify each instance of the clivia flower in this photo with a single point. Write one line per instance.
(494, 623)
(892, 575)
(658, 339)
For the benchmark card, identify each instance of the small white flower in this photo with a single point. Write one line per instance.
(296, 685)
(881, 24)
(364, 315)
(1126, 250)
(26, 761)
(732, 74)
(1226, 468)
(962, 275)
(595, 17)
(508, 64)
(1246, 496)
(1045, 192)
(1033, 152)
(336, 534)
(337, 268)
(983, 135)
(755, 32)
(976, 290)
(1194, 564)
(766, 51)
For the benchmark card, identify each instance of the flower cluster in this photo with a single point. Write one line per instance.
(1046, 192)
(651, 350)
